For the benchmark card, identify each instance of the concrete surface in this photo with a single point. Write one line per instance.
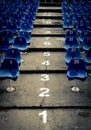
(65, 110)
(57, 119)
(47, 42)
(48, 22)
(48, 31)
(28, 89)
(51, 14)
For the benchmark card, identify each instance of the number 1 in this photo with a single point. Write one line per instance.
(44, 114)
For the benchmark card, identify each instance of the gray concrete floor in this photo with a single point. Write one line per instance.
(64, 109)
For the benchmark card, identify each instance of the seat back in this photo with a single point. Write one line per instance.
(71, 33)
(9, 69)
(10, 64)
(13, 53)
(72, 53)
(77, 69)
(20, 43)
(86, 44)
(71, 42)
(4, 43)
(26, 35)
(77, 64)
(9, 35)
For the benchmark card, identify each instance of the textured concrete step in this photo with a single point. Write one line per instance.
(29, 87)
(47, 42)
(56, 119)
(48, 22)
(49, 31)
(50, 14)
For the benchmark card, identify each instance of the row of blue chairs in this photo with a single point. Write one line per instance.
(76, 14)
(72, 47)
(75, 62)
(73, 57)
(11, 59)
(19, 43)
(9, 35)
(16, 23)
(18, 16)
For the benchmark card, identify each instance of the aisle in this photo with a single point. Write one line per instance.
(43, 99)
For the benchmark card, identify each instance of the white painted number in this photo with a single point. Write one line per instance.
(44, 114)
(45, 77)
(47, 54)
(47, 43)
(76, 61)
(46, 62)
(44, 93)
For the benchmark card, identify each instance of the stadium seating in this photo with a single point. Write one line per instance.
(13, 53)
(76, 70)
(9, 69)
(72, 53)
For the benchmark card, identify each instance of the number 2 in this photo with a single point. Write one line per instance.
(44, 93)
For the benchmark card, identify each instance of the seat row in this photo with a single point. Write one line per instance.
(11, 37)
(76, 14)
(16, 23)
(18, 16)
(73, 58)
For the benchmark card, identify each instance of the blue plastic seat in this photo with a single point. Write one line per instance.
(71, 42)
(31, 17)
(8, 35)
(86, 44)
(78, 17)
(13, 53)
(18, 23)
(72, 53)
(71, 33)
(4, 43)
(89, 23)
(26, 35)
(84, 34)
(88, 57)
(25, 26)
(17, 16)
(20, 43)
(77, 69)
(81, 26)
(11, 26)
(9, 69)
(3, 23)
(68, 23)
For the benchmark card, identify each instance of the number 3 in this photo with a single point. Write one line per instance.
(45, 77)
